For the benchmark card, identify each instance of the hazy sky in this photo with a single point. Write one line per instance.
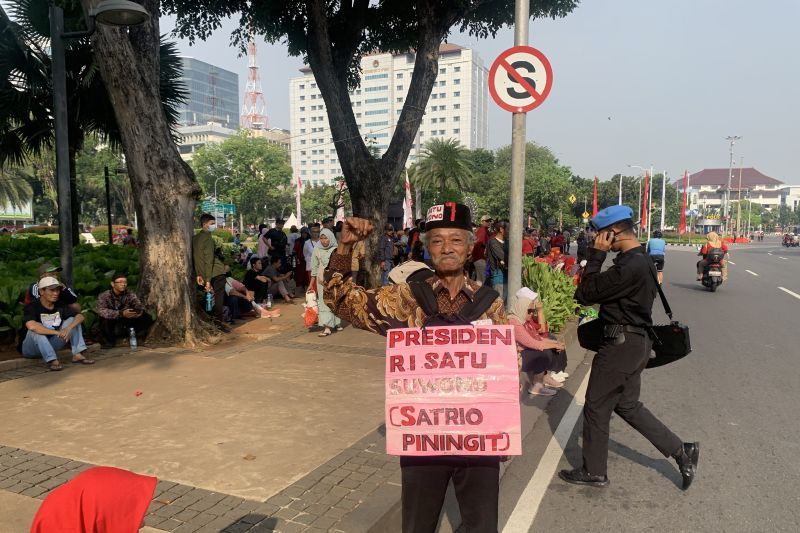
(635, 82)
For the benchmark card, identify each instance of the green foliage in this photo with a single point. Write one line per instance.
(323, 201)
(259, 175)
(40, 230)
(14, 188)
(547, 186)
(93, 268)
(353, 28)
(556, 290)
(444, 169)
(100, 233)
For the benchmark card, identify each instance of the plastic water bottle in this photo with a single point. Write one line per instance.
(269, 302)
(132, 339)
(209, 301)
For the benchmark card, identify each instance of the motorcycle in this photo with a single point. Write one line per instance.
(712, 272)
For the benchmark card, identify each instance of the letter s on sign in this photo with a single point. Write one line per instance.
(516, 65)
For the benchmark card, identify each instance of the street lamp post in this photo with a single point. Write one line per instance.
(620, 189)
(216, 202)
(112, 12)
(639, 227)
(726, 213)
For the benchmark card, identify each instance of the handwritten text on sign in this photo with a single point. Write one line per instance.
(452, 390)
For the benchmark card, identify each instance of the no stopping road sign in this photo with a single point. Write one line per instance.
(520, 79)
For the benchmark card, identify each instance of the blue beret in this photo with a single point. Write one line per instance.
(612, 215)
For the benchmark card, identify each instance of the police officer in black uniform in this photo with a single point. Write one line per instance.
(625, 292)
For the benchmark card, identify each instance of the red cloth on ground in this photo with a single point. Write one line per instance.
(100, 500)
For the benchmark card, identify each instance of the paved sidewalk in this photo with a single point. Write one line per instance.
(278, 430)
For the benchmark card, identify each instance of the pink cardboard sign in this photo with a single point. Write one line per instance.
(452, 390)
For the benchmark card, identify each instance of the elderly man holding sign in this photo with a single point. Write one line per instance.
(452, 383)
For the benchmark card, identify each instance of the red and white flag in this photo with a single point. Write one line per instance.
(594, 198)
(683, 204)
(408, 203)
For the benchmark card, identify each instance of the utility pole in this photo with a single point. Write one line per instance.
(620, 189)
(518, 123)
(732, 140)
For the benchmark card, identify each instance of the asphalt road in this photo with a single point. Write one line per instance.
(738, 393)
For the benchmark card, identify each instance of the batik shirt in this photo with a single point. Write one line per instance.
(393, 306)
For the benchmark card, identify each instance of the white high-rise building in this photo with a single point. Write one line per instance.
(457, 109)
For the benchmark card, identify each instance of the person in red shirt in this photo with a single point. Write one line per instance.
(558, 241)
(713, 241)
(529, 243)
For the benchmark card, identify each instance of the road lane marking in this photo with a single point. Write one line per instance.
(751, 272)
(769, 253)
(787, 291)
(527, 507)
(782, 257)
(731, 262)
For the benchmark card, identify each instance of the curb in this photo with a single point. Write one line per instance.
(381, 513)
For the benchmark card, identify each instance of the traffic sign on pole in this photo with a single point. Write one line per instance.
(572, 199)
(520, 79)
(586, 215)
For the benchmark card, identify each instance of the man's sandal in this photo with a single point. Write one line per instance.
(55, 366)
(83, 361)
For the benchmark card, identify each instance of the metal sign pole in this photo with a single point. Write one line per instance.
(518, 123)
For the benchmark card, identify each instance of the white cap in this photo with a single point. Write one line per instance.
(525, 292)
(49, 281)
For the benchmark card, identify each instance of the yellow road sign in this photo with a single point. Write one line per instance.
(585, 214)
(572, 199)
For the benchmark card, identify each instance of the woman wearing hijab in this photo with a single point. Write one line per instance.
(539, 353)
(100, 500)
(262, 249)
(300, 271)
(319, 262)
(713, 241)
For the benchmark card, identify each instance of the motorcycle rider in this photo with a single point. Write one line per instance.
(656, 247)
(713, 241)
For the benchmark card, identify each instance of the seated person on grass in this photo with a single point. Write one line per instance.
(67, 296)
(278, 280)
(119, 310)
(49, 325)
(241, 302)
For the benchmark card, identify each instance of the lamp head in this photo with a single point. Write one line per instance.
(119, 13)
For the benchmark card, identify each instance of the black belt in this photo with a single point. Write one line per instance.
(635, 329)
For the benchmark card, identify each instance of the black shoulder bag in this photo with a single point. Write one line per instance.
(670, 342)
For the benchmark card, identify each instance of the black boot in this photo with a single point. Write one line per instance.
(687, 459)
(579, 476)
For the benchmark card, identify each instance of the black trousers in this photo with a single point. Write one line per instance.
(113, 328)
(476, 481)
(614, 386)
(218, 284)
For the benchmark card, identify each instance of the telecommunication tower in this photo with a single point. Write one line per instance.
(254, 107)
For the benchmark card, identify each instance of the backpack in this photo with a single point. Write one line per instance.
(423, 294)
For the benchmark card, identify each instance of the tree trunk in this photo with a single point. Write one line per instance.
(75, 202)
(163, 186)
(369, 179)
